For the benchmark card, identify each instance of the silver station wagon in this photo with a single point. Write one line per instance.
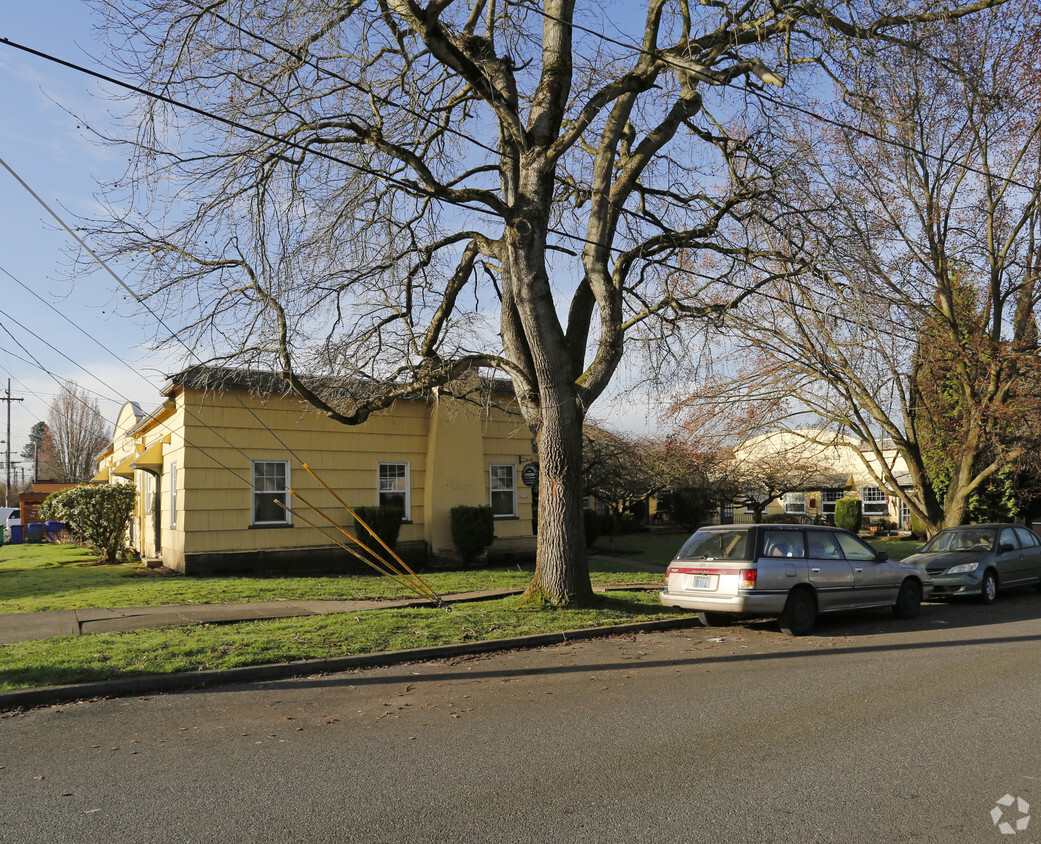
(791, 572)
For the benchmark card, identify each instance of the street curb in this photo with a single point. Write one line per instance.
(161, 683)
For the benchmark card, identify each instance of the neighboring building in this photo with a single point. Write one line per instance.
(815, 469)
(210, 462)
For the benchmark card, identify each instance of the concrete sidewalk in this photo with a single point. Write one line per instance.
(23, 627)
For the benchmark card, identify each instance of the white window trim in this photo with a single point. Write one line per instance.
(407, 516)
(828, 503)
(873, 501)
(173, 494)
(513, 489)
(286, 499)
(794, 504)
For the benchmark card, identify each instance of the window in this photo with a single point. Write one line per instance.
(783, 543)
(1008, 537)
(502, 481)
(854, 549)
(1027, 538)
(753, 498)
(393, 487)
(828, 499)
(823, 546)
(270, 483)
(874, 501)
(795, 502)
(173, 495)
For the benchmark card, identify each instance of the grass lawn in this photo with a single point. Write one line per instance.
(72, 659)
(59, 577)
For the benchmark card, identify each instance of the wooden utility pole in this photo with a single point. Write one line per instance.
(7, 398)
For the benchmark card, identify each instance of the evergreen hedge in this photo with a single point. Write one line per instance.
(848, 514)
(473, 530)
(385, 521)
(96, 514)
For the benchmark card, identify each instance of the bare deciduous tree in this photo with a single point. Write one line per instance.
(398, 193)
(76, 433)
(916, 330)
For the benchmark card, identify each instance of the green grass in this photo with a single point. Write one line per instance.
(71, 659)
(34, 578)
(652, 549)
(897, 548)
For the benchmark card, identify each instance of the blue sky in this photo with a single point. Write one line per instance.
(44, 143)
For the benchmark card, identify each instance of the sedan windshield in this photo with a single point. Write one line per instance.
(961, 540)
(716, 545)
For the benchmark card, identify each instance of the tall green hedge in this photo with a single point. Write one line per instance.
(473, 530)
(385, 521)
(848, 514)
(97, 514)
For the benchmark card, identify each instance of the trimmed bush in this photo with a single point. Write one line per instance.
(473, 530)
(592, 525)
(385, 521)
(848, 514)
(98, 515)
(918, 530)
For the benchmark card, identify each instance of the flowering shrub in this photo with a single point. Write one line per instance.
(99, 515)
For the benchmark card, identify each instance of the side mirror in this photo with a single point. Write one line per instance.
(881, 556)
(1006, 546)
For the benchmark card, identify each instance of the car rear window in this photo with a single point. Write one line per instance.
(716, 545)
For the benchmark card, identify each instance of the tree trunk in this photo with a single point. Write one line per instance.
(561, 567)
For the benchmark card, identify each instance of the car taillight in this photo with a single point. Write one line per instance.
(748, 578)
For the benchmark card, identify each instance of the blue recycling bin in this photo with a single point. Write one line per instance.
(54, 527)
(16, 534)
(34, 532)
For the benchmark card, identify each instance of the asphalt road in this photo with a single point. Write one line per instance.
(871, 730)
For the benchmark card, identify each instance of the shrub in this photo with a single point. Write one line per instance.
(592, 525)
(848, 514)
(473, 530)
(918, 530)
(784, 519)
(384, 521)
(98, 515)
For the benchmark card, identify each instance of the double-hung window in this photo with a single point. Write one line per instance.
(393, 487)
(270, 484)
(828, 499)
(795, 502)
(502, 481)
(873, 500)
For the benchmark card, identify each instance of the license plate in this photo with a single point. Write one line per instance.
(701, 581)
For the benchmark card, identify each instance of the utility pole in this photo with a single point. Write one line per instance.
(7, 398)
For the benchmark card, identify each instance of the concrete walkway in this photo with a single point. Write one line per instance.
(22, 627)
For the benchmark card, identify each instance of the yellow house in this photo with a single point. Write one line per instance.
(213, 458)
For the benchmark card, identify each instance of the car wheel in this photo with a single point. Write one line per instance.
(908, 600)
(715, 619)
(800, 613)
(989, 587)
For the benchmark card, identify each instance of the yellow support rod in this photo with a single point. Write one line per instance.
(361, 521)
(422, 586)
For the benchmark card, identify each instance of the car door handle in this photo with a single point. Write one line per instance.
(816, 571)
(859, 571)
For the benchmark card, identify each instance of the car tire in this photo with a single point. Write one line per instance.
(715, 619)
(800, 613)
(909, 599)
(988, 587)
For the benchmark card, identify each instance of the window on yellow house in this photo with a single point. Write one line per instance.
(270, 484)
(393, 488)
(502, 481)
